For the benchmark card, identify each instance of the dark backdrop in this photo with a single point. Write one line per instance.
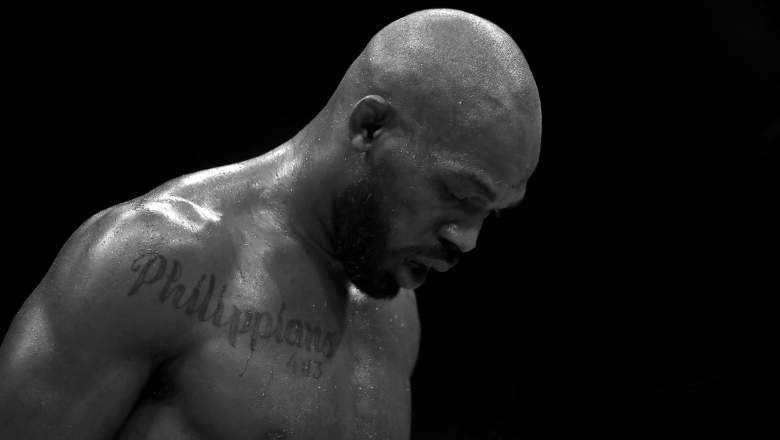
(628, 297)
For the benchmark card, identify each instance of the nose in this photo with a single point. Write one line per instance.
(464, 236)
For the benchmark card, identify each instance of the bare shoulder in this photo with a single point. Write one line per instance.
(405, 305)
(109, 240)
(97, 274)
(397, 319)
(84, 343)
(408, 322)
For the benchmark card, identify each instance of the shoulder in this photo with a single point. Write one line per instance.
(408, 322)
(119, 253)
(114, 237)
(396, 319)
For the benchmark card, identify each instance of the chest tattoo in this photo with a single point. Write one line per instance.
(204, 301)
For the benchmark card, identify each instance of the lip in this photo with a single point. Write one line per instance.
(435, 264)
(412, 275)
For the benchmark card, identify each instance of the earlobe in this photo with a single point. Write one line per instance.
(369, 116)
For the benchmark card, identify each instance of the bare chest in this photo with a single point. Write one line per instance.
(280, 369)
(286, 388)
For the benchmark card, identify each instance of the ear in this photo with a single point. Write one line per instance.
(369, 117)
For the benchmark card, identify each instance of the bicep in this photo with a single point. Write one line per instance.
(60, 377)
(80, 351)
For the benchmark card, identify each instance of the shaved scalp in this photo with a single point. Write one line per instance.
(449, 73)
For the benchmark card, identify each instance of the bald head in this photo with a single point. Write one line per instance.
(449, 74)
(434, 125)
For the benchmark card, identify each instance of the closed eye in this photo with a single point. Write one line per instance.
(463, 201)
(468, 204)
(456, 198)
(448, 195)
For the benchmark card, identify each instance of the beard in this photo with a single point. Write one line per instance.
(361, 230)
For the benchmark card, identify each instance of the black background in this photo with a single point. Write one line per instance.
(630, 296)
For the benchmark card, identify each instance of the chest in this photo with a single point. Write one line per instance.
(283, 372)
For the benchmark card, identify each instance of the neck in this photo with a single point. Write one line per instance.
(299, 184)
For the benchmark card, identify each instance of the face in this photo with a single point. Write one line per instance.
(412, 213)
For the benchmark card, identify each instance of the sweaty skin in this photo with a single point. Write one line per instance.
(274, 298)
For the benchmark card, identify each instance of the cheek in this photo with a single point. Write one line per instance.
(412, 207)
(410, 226)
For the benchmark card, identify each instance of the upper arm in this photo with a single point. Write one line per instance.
(80, 350)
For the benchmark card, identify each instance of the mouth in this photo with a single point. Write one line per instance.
(412, 274)
(417, 267)
(414, 269)
(431, 263)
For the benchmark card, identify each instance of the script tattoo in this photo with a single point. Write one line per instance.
(201, 302)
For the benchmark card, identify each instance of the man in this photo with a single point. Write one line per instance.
(274, 298)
